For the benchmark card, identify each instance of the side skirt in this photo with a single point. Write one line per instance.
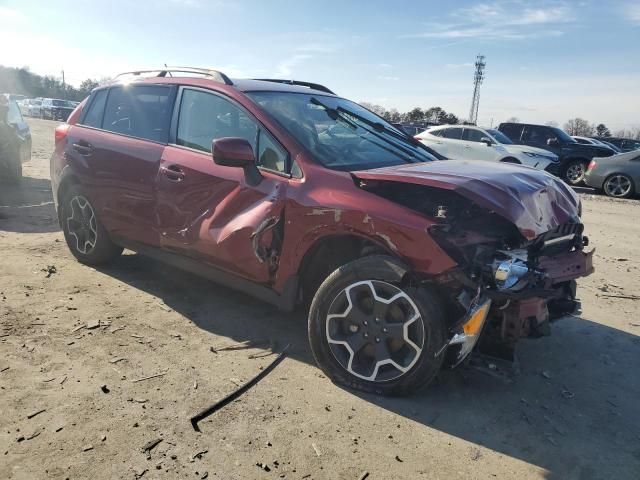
(285, 302)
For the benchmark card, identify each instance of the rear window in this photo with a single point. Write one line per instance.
(93, 117)
(453, 133)
(142, 111)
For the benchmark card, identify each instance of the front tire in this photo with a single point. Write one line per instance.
(574, 172)
(86, 238)
(370, 332)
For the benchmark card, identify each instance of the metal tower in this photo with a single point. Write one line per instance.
(477, 81)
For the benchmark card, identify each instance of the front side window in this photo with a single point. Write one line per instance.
(205, 117)
(512, 131)
(539, 135)
(472, 135)
(338, 133)
(142, 111)
(271, 154)
(93, 117)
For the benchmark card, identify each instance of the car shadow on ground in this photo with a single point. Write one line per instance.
(573, 397)
(27, 207)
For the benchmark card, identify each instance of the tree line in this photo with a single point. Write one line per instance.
(434, 115)
(22, 81)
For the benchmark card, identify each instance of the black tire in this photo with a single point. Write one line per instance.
(424, 366)
(571, 172)
(625, 187)
(103, 249)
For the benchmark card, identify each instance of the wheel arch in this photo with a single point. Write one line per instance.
(510, 159)
(329, 252)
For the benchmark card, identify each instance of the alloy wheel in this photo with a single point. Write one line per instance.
(575, 173)
(617, 186)
(81, 224)
(375, 330)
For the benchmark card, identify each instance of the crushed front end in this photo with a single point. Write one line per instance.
(505, 287)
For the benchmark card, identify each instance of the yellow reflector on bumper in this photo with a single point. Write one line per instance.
(474, 325)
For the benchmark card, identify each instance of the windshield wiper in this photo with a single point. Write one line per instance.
(378, 128)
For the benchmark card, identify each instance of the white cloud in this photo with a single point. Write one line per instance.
(285, 68)
(506, 19)
(10, 15)
(632, 12)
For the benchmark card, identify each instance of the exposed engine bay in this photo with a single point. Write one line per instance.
(516, 285)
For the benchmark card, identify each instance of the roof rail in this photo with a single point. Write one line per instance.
(167, 71)
(314, 86)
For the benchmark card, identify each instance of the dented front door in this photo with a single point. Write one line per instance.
(209, 213)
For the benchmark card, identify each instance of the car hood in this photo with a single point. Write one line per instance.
(534, 201)
(587, 150)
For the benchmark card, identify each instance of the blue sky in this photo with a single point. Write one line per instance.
(546, 60)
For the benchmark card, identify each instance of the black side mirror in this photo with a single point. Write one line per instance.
(487, 141)
(236, 152)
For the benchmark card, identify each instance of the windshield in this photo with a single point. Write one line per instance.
(499, 136)
(562, 135)
(341, 134)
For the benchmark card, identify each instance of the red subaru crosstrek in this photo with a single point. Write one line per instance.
(297, 196)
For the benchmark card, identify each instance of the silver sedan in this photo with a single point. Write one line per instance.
(617, 176)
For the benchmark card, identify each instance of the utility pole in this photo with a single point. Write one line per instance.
(64, 88)
(478, 76)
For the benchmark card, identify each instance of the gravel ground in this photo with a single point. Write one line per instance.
(74, 340)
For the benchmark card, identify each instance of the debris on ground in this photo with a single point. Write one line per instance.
(237, 393)
(399, 459)
(86, 448)
(364, 475)
(316, 449)
(150, 446)
(199, 454)
(545, 374)
(50, 270)
(104, 389)
(241, 346)
(263, 466)
(93, 324)
(150, 377)
(38, 412)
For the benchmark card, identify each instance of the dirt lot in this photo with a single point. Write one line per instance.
(571, 412)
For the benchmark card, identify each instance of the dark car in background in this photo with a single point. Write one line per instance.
(15, 140)
(624, 144)
(617, 176)
(574, 157)
(55, 109)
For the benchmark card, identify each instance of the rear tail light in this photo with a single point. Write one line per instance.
(61, 132)
(592, 165)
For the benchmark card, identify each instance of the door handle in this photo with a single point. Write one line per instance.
(83, 148)
(173, 173)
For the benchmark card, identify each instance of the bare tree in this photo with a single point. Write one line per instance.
(602, 130)
(579, 127)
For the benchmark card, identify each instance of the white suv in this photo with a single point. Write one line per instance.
(467, 142)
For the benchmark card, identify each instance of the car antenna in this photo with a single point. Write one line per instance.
(167, 66)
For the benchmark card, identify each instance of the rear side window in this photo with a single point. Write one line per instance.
(472, 135)
(511, 131)
(436, 133)
(14, 116)
(142, 111)
(205, 117)
(93, 117)
(454, 133)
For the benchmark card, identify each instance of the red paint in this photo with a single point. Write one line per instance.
(179, 200)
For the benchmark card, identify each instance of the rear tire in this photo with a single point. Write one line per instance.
(619, 185)
(370, 345)
(86, 238)
(574, 172)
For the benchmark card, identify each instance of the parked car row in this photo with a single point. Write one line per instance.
(47, 108)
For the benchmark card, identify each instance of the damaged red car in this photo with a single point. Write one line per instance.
(282, 189)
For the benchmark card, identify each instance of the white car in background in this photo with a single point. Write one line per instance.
(468, 142)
